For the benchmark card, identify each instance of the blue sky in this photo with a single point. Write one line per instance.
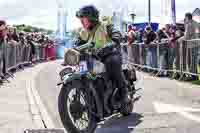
(43, 13)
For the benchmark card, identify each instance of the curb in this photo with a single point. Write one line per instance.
(181, 83)
(40, 116)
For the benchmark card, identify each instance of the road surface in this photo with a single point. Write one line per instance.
(166, 106)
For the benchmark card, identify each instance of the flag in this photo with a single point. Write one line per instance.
(173, 11)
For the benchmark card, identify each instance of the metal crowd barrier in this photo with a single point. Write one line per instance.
(51, 52)
(164, 57)
(190, 57)
(182, 58)
(40, 52)
(17, 55)
(14, 56)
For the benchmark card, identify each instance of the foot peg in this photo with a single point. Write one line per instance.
(137, 89)
(58, 84)
(134, 91)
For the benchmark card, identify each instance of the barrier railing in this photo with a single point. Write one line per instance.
(164, 57)
(179, 58)
(190, 57)
(14, 56)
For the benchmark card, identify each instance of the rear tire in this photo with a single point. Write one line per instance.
(127, 108)
(64, 111)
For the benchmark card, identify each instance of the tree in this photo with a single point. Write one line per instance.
(28, 28)
(49, 32)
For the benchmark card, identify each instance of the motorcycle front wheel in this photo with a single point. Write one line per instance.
(75, 108)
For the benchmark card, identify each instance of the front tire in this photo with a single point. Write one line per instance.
(69, 112)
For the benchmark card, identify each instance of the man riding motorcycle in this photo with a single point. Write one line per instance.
(100, 34)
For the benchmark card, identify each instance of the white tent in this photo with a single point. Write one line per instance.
(196, 15)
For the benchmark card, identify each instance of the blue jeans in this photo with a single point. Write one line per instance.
(163, 59)
(151, 58)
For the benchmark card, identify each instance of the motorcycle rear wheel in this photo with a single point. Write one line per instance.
(126, 109)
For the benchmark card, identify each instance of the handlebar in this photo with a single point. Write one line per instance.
(97, 53)
(85, 46)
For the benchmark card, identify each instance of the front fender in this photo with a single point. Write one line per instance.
(76, 76)
(70, 77)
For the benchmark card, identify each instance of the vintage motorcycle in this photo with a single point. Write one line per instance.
(87, 96)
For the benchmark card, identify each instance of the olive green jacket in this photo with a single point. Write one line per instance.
(101, 35)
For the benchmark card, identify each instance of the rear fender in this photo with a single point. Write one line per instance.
(70, 77)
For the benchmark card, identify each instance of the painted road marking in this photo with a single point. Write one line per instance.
(183, 111)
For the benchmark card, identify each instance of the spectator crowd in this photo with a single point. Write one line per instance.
(168, 38)
(11, 37)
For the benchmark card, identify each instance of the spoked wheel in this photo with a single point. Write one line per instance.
(75, 109)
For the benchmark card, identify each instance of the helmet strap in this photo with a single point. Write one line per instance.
(93, 25)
